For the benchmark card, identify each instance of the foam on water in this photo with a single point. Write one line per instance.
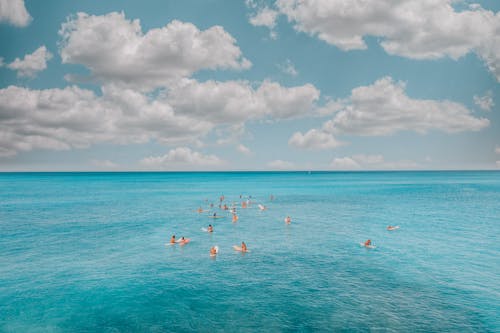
(86, 252)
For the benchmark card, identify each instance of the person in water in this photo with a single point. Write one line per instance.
(288, 220)
(215, 214)
(243, 247)
(210, 228)
(213, 251)
(390, 227)
(172, 240)
(368, 242)
(200, 210)
(235, 217)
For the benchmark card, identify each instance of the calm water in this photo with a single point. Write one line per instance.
(85, 252)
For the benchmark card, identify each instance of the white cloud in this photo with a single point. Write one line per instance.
(383, 108)
(76, 118)
(484, 102)
(244, 149)
(264, 17)
(314, 139)
(116, 50)
(331, 107)
(32, 63)
(14, 12)
(288, 68)
(281, 165)
(344, 163)
(181, 157)
(72, 117)
(414, 29)
(370, 162)
(237, 101)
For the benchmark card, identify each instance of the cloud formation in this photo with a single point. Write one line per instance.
(61, 119)
(237, 101)
(14, 12)
(370, 162)
(265, 17)
(31, 64)
(485, 102)
(314, 139)
(181, 157)
(414, 29)
(116, 50)
(383, 108)
(76, 118)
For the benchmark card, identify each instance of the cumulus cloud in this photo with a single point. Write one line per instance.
(237, 101)
(414, 29)
(383, 108)
(288, 68)
(31, 64)
(344, 163)
(281, 165)
(265, 17)
(116, 50)
(485, 102)
(72, 117)
(181, 157)
(370, 162)
(14, 12)
(314, 139)
(75, 118)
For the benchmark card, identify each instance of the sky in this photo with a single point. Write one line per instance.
(212, 85)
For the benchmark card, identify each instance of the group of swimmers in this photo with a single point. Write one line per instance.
(245, 204)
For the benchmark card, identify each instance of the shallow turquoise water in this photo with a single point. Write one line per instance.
(85, 252)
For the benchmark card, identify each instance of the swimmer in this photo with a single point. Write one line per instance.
(213, 251)
(210, 228)
(261, 207)
(200, 210)
(243, 247)
(368, 242)
(172, 240)
(390, 227)
(235, 217)
(243, 204)
(183, 240)
(225, 207)
(288, 220)
(215, 215)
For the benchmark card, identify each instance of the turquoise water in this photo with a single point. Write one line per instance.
(85, 252)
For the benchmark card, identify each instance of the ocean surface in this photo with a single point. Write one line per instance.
(85, 252)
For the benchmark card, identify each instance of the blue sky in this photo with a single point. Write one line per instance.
(249, 85)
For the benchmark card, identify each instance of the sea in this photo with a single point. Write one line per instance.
(89, 252)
